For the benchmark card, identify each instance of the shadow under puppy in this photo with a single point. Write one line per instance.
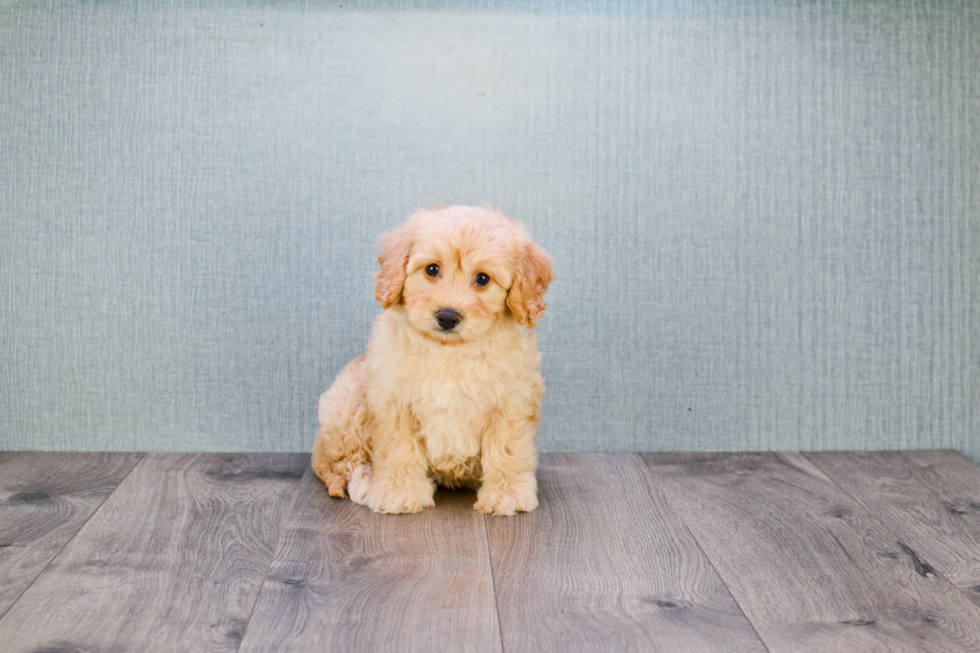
(449, 391)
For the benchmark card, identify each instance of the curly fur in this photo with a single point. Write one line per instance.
(424, 406)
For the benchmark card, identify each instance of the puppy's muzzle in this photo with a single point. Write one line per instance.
(448, 319)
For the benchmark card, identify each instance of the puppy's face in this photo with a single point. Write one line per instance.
(457, 280)
(459, 271)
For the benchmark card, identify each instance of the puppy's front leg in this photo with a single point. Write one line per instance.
(399, 476)
(509, 461)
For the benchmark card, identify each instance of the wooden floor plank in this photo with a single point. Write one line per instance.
(931, 498)
(347, 579)
(605, 564)
(44, 499)
(172, 561)
(812, 569)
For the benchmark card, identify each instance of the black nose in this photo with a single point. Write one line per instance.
(447, 318)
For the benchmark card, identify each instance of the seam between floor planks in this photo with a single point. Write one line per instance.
(139, 461)
(670, 502)
(493, 584)
(275, 550)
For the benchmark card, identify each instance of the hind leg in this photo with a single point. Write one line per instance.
(328, 466)
(341, 444)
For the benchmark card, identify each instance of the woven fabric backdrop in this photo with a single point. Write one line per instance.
(764, 216)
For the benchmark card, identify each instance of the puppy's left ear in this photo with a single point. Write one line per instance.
(526, 297)
(390, 279)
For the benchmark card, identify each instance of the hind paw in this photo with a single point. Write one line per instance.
(360, 482)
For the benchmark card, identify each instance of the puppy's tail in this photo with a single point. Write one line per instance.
(340, 451)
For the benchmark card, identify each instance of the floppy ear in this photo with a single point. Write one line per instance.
(526, 297)
(390, 278)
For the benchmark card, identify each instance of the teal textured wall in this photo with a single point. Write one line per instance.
(764, 215)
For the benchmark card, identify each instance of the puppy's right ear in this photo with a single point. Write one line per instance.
(390, 278)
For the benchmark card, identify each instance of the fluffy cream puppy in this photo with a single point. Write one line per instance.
(449, 390)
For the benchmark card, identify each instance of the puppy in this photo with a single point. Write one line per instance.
(449, 391)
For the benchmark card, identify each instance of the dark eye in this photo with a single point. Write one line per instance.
(482, 279)
(432, 270)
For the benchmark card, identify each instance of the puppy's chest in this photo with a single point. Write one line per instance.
(454, 397)
(457, 383)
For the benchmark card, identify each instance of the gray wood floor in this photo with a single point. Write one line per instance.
(851, 551)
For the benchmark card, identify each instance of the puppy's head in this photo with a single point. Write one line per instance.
(458, 271)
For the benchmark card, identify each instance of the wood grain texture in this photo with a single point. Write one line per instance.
(172, 561)
(930, 498)
(347, 579)
(605, 564)
(811, 568)
(44, 499)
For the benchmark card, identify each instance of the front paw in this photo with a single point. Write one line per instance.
(394, 499)
(509, 499)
